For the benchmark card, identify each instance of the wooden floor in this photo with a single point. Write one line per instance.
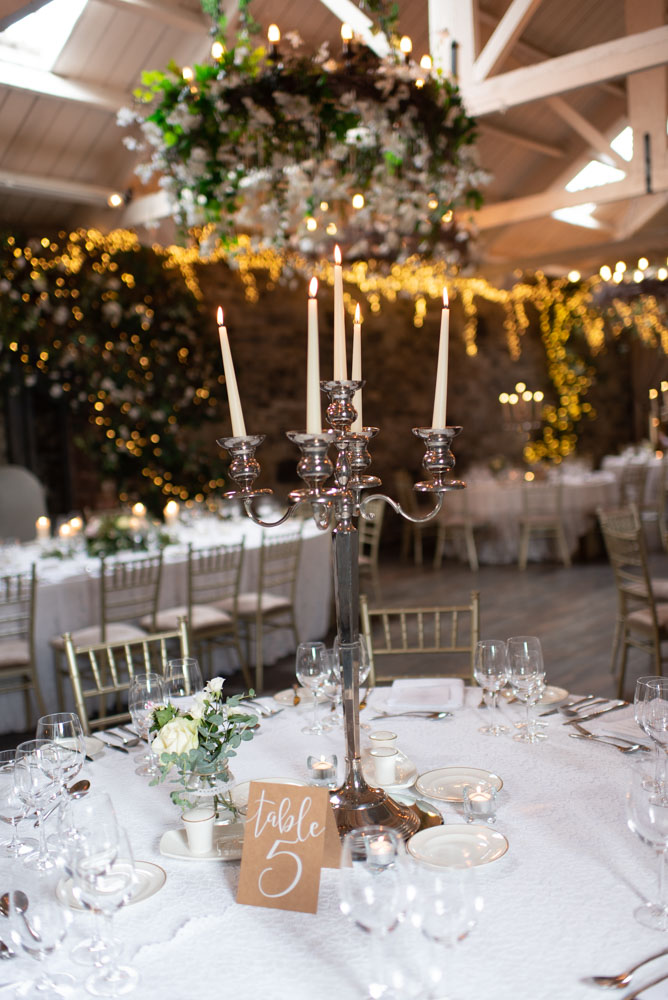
(572, 610)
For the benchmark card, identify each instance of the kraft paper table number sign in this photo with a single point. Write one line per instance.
(290, 835)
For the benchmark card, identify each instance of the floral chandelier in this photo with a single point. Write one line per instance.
(300, 152)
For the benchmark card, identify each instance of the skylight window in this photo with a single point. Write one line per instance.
(595, 174)
(38, 39)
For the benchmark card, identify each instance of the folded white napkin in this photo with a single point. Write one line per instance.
(429, 693)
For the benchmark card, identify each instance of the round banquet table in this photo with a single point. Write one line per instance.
(558, 906)
(68, 593)
(496, 507)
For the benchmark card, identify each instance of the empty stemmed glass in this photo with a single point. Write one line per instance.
(645, 691)
(183, 680)
(491, 672)
(36, 773)
(526, 675)
(65, 731)
(647, 817)
(311, 671)
(38, 924)
(361, 662)
(147, 692)
(12, 808)
(371, 883)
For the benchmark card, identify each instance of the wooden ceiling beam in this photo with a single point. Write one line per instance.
(522, 140)
(589, 133)
(146, 209)
(54, 187)
(621, 57)
(349, 12)
(64, 89)
(16, 10)
(503, 38)
(166, 13)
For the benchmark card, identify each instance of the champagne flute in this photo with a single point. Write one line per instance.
(371, 884)
(146, 693)
(647, 817)
(491, 672)
(311, 673)
(526, 675)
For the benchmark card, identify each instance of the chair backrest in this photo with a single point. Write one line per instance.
(105, 670)
(625, 544)
(279, 564)
(214, 574)
(542, 500)
(632, 484)
(411, 633)
(369, 532)
(22, 501)
(17, 607)
(129, 588)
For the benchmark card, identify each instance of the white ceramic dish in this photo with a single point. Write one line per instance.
(150, 878)
(446, 783)
(93, 746)
(240, 792)
(227, 844)
(457, 845)
(287, 697)
(551, 695)
(406, 772)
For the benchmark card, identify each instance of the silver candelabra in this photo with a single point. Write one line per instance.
(337, 507)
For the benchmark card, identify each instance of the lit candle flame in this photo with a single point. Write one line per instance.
(337, 254)
(219, 316)
(445, 298)
(346, 32)
(313, 288)
(358, 313)
(273, 34)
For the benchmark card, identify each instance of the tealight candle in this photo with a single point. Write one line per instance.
(76, 524)
(380, 851)
(171, 512)
(43, 528)
(382, 737)
(65, 530)
(322, 770)
(385, 764)
(139, 510)
(479, 802)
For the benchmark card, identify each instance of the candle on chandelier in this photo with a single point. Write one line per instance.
(357, 368)
(313, 413)
(340, 366)
(236, 413)
(441, 394)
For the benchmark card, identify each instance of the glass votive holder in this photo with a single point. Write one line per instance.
(382, 738)
(385, 759)
(479, 801)
(322, 770)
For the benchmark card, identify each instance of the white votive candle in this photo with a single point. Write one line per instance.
(65, 530)
(139, 510)
(43, 528)
(385, 764)
(76, 524)
(380, 851)
(171, 512)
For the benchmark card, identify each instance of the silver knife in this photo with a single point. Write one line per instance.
(113, 746)
(595, 715)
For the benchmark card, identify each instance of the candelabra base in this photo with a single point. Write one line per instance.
(365, 806)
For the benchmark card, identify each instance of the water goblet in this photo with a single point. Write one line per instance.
(526, 675)
(311, 673)
(371, 882)
(12, 808)
(645, 692)
(491, 672)
(36, 774)
(38, 924)
(647, 817)
(65, 731)
(183, 680)
(146, 693)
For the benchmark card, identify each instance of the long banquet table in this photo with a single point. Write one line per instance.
(558, 906)
(68, 593)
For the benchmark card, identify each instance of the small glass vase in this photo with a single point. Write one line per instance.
(206, 788)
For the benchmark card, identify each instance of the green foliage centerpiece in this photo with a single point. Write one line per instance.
(196, 744)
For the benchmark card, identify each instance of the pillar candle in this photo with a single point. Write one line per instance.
(139, 510)
(43, 528)
(171, 512)
(357, 368)
(313, 412)
(441, 394)
(236, 413)
(340, 365)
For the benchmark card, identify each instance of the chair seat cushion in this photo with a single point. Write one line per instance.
(203, 616)
(115, 632)
(14, 652)
(642, 620)
(247, 604)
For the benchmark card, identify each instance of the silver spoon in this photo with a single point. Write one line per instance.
(630, 748)
(624, 978)
(75, 791)
(413, 715)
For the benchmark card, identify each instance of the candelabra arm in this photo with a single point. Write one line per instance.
(248, 507)
(370, 516)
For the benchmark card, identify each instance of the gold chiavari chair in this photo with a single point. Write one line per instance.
(18, 670)
(542, 515)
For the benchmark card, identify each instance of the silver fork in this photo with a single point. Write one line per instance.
(619, 742)
(623, 979)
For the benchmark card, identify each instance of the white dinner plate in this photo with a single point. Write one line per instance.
(93, 746)
(150, 878)
(405, 774)
(551, 695)
(287, 697)
(240, 792)
(458, 845)
(447, 783)
(227, 844)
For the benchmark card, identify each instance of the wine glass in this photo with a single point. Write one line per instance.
(371, 884)
(95, 829)
(65, 731)
(643, 694)
(38, 924)
(36, 774)
(146, 692)
(312, 674)
(647, 817)
(491, 672)
(12, 808)
(526, 675)
(183, 679)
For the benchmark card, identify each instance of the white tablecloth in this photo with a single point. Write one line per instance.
(68, 594)
(557, 907)
(496, 505)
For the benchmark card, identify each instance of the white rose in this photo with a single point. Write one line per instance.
(177, 736)
(216, 684)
